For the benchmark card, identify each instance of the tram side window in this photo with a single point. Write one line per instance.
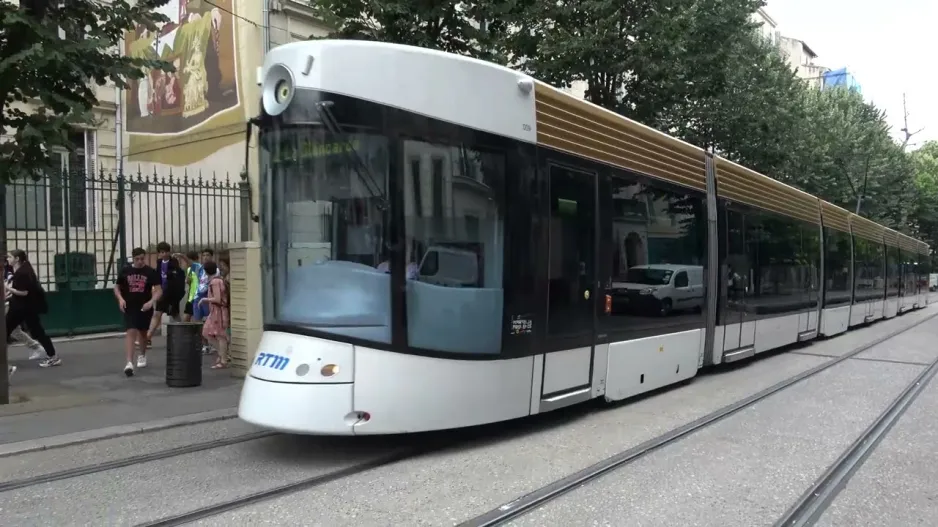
(810, 260)
(877, 269)
(655, 247)
(737, 264)
(454, 232)
(892, 271)
(786, 269)
(837, 268)
(862, 272)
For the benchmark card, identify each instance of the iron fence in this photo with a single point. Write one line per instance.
(79, 229)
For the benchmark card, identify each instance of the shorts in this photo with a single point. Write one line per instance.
(200, 311)
(188, 309)
(169, 306)
(136, 319)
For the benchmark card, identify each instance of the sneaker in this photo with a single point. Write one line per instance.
(129, 369)
(36, 354)
(50, 362)
(142, 361)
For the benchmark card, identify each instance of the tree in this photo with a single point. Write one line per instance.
(470, 28)
(50, 55)
(925, 209)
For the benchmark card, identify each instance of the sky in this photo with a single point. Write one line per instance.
(889, 46)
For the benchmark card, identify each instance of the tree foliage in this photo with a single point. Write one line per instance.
(453, 27)
(51, 56)
(925, 204)
(696, 69)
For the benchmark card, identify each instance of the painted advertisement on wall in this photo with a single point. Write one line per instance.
(164, 112)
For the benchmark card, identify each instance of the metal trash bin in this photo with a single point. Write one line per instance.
(183, 354)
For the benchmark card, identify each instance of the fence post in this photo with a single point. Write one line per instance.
(244, 193)
(121, 221)
(66, 179)
(4, 357)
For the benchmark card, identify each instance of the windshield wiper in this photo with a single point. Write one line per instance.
(361, 168)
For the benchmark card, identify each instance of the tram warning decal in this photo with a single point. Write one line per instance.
(272, 361)
(521, 324)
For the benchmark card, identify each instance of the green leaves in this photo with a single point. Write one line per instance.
(51, 55)
(696, 69)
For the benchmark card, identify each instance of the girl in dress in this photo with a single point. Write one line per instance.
(215, 329)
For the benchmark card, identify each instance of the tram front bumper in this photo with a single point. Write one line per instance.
(298, 408)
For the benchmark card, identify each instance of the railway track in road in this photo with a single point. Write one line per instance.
(95, 468)
(803, 514)
(814, 502)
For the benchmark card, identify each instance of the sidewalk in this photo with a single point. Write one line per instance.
(89, 391)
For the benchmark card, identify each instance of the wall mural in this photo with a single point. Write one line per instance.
(199, 40)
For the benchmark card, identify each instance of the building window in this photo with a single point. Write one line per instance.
(68, 189)
(40, 204)
(26, 205)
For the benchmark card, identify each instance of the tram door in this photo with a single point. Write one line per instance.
(741, 281)
(572, 288)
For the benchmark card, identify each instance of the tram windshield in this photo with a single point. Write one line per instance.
(329, 230)
(347, 204)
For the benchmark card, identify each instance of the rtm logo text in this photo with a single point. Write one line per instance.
(272, 361)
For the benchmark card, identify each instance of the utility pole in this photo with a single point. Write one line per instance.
(905, 123)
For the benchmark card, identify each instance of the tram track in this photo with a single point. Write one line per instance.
(815, 501)
(284, 490)
(499, 516)
(825, 487)
(104, 466)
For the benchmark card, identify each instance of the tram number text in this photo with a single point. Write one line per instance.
(526, 127)
(272, 361)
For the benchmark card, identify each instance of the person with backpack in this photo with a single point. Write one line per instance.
(18, 335)
(27, 302)
(215, 329)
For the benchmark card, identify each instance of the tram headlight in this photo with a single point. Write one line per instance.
(282, 91)
(329, 370)
(279, 89)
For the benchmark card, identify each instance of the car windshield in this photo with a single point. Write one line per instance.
(648, 276)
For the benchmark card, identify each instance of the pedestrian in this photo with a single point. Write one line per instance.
(18, 334)
(27, 302)
(200, 310)
(137, 291)
(173, 285)
(224, 268)
(190, 262)
(215, 329)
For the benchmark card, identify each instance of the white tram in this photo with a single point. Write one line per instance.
(448, 243)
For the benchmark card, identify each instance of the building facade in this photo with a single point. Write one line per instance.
(165, 161)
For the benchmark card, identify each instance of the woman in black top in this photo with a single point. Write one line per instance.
(27, 300)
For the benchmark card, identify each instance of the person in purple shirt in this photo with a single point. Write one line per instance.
(173, 282)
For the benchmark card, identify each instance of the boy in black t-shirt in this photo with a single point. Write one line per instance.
(137, 291)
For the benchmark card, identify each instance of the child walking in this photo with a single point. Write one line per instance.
(215, 329)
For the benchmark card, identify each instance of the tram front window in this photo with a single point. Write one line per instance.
(329, 230)
(455, 244)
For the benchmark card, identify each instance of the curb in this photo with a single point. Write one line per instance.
(87, 436)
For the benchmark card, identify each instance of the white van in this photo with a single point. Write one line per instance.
(659, 288)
